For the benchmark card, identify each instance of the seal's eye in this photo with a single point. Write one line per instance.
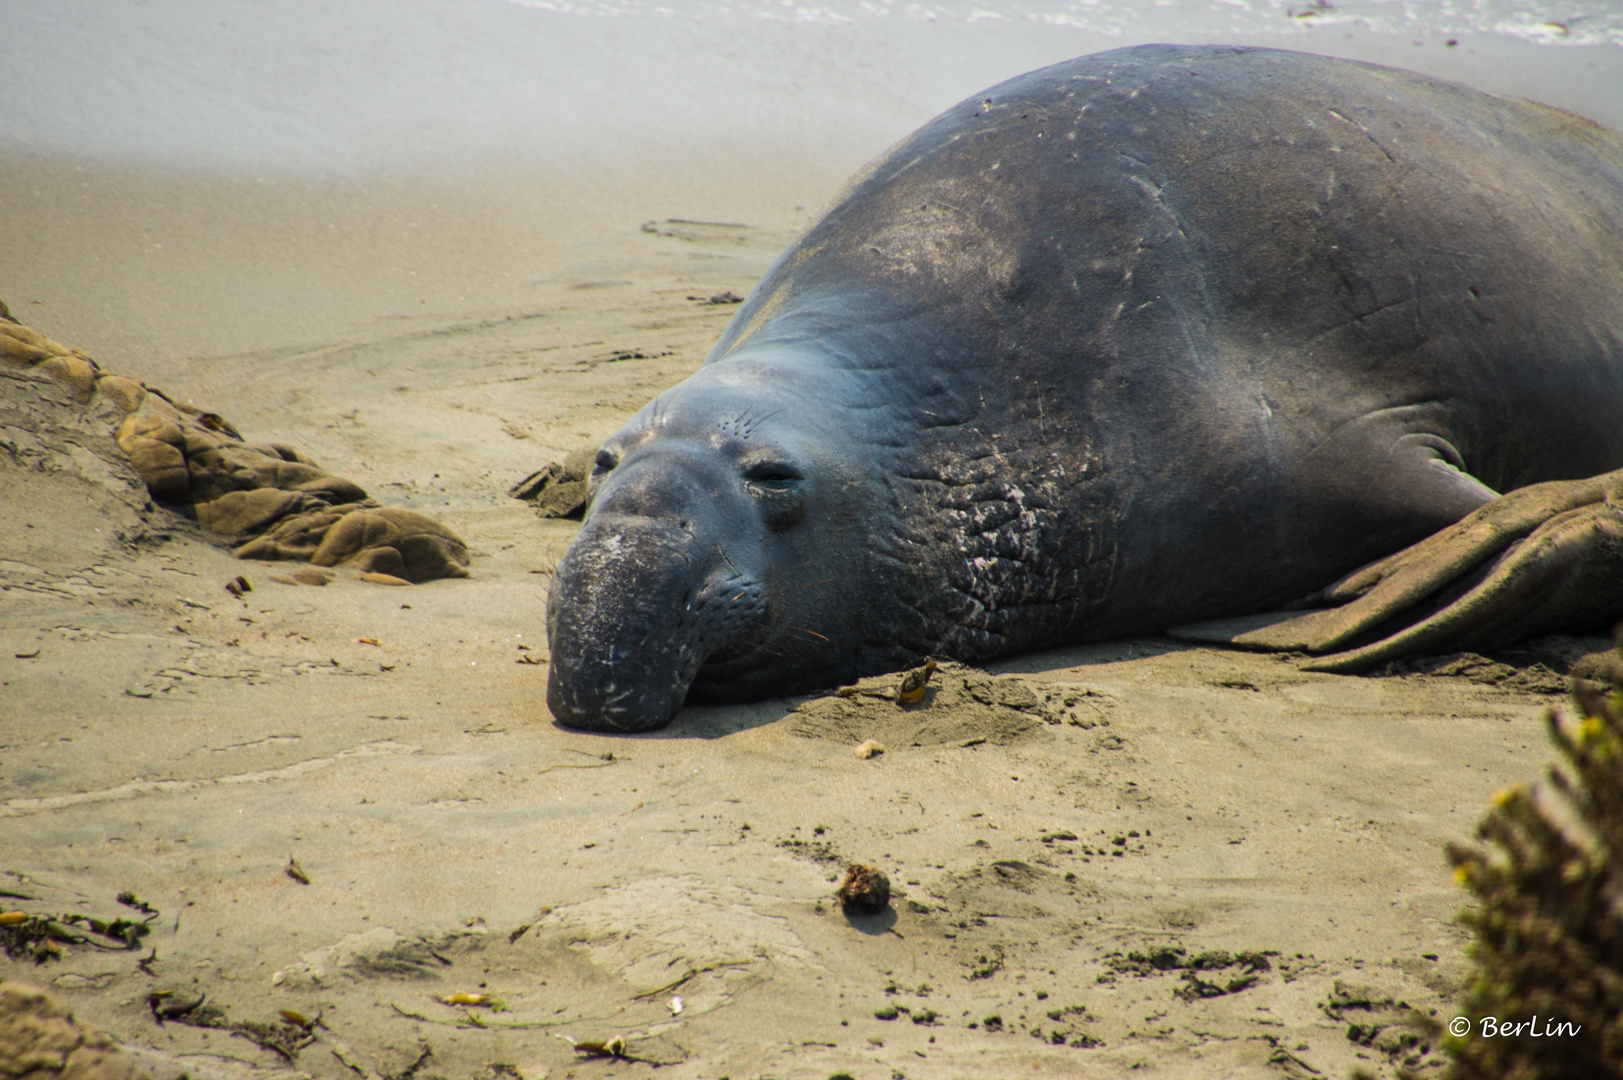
(606, 460)
(779, 491)
(772, 475)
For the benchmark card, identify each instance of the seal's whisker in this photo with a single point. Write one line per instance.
(803, 630)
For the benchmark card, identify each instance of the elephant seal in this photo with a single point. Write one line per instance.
(1148, 337)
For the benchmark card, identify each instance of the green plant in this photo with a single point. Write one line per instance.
(1546, 1002)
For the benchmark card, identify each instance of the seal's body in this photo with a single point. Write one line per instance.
(1143, 338)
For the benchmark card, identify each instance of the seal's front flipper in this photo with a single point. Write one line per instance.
(1544, 558)
(1541, 559)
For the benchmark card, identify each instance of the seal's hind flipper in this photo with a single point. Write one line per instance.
(1545, 558)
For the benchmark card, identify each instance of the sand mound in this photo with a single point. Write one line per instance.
(958, 705)
(558, 489)
(267, 499)
(39, 1040)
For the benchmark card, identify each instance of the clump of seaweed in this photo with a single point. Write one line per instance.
(1547, 998)
(43, 937)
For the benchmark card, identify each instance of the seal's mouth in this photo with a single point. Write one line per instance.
(733, 659)
(738, 672)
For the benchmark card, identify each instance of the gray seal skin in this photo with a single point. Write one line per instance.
(1143, 338)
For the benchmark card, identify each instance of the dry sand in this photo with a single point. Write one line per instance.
(1094, 847)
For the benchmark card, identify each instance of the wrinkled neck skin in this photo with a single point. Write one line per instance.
(1003, 530)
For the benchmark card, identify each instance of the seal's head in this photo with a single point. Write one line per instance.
(723, 555)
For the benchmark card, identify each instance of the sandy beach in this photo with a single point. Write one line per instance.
(439, 250)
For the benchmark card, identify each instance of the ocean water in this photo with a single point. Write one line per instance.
(1583, 23)
(318, 88)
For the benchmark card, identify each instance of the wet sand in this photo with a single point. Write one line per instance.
(1173, 860)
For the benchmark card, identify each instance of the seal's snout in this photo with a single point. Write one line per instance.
(615, 666)
(638, 606)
